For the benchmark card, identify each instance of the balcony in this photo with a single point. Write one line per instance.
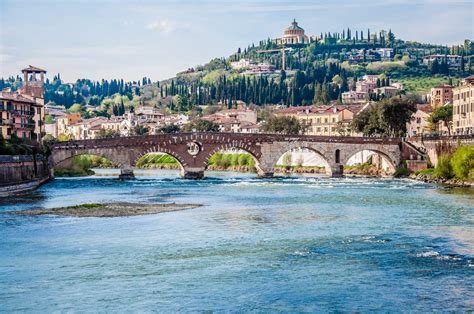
(6, 121)
(6, 108)
(24, 112)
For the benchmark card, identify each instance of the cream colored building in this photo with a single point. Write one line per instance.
(324, 120)
(293, 35)
(419, 123)
(463, 107)
(62, 123)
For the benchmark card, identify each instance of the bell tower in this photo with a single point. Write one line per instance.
(33, 79)
(33, 89)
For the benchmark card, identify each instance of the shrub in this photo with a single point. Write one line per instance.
(401, 172)
(462, 163)
(443, 168)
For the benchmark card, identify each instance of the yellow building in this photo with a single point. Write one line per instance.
(463, 107)
(63, 123)
(331, 120)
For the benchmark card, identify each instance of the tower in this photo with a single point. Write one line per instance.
(33, 89)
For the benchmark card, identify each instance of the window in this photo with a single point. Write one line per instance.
(337, 156)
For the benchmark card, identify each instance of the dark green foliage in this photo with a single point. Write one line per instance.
(388, 117)
(167, 129)
(444, 114)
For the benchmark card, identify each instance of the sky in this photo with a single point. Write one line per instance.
(105, 39)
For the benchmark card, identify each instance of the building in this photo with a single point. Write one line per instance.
(261, 68)
(235, 120)
(22, 112)
(419, 123)
(293, 35)
(144, 113)
(441, 95)
(33, 89)
(62, 123)
(454, 61)
(463, 107)
(365, 86)
(353, 97)
(387, 91)
(332, 120)
(17, 113)
(241, 64)
(386, 54)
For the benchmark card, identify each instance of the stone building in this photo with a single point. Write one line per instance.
(441, 95)
(293, 35)
(463, 107)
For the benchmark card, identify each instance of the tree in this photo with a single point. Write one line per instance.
(201, 125)
(140, 130)
(444, 114)
(283, 125)
(167, 129)
(388, 117)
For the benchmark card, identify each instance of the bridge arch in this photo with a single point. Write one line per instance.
(319, 151)
(156, 149)
(110, 154)
(233, 145)
(390, 159)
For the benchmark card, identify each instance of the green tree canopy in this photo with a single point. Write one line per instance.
(444, 114)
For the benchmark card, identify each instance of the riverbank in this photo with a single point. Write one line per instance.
(106, 210)
(427, 178)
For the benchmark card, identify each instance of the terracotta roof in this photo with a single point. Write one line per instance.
(15, 97)
(424, 107)
(32, 68)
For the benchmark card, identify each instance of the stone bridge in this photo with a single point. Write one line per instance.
(193, 150)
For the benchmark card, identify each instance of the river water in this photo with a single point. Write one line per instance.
(295, 244)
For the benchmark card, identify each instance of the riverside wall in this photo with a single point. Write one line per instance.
(22, 173)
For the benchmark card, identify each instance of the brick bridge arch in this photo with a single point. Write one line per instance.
(265, 148)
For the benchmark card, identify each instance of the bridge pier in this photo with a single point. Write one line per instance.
(192, 173)
(337, 170)
(126, 174)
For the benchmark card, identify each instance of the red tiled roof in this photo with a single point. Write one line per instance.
(424, 107)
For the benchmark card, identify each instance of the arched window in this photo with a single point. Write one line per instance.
(338, 156)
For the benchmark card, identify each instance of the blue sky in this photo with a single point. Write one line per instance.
(131, 39)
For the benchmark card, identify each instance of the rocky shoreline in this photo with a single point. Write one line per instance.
(106, 210)
(450, 182)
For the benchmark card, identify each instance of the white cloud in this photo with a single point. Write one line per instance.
(162, 26)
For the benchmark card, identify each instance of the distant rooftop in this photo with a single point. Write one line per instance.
(294, 26)
(32, 68)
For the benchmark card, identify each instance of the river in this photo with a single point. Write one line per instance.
(294, 244)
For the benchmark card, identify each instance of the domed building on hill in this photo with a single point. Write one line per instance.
(293, 35)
